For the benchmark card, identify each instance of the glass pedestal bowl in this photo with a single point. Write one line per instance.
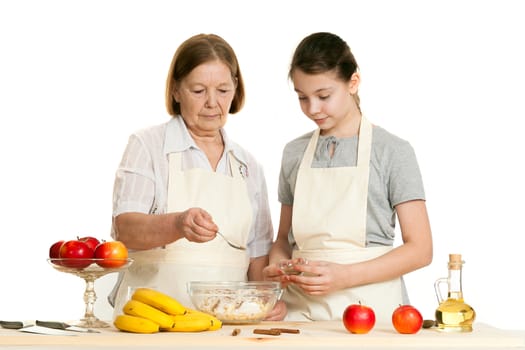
(90, 270)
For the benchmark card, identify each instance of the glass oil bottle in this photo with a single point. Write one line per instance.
(453, 314)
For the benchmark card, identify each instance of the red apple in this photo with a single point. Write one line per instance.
(407, 319)
(77, 253)
(359, 319)
(54, 250)
(112, 253)
(92, 242)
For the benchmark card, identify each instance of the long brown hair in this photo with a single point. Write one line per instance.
(323, 52)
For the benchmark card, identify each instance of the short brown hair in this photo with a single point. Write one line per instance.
(199, 49)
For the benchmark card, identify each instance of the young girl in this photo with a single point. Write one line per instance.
(341, 187)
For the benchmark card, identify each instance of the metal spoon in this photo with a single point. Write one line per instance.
(233, 245)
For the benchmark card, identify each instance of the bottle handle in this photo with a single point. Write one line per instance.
(437, 288)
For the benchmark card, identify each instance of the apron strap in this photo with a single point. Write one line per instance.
(237, 169)
(364, 148)
(310, 150)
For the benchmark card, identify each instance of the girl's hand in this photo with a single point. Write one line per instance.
(272, 272)
(319, 277)
(278, 312)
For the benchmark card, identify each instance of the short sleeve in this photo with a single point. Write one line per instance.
(134, 188)
(290, 162)
(405, 180)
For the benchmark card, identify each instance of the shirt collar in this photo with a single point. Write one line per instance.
(178, 139)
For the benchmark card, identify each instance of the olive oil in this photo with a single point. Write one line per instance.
(453, 314)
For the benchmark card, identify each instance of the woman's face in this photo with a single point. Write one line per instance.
(205, 96)
(325, 99)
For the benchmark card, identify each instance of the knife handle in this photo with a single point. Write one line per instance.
(12, 324)
(52, 324)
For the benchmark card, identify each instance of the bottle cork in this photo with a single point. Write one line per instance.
(454, 261)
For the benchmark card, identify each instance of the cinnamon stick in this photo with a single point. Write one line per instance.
(266, 331)
(287, 330)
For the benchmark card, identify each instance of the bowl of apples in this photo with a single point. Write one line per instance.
(89, 254)
(89, 258)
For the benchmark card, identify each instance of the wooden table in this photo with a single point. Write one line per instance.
(313, 335)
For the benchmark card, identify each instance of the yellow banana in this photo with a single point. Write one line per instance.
(138, 308)
(215, 322)
(159, 300)
(191, 322)
(135, 324)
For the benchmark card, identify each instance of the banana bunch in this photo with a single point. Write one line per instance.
(151, 311)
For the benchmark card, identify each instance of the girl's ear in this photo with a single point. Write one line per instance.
(353, 84)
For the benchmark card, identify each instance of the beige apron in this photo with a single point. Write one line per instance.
(329, 224)
(168, 269)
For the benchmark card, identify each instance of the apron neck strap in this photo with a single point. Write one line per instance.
(364, 145)
(237, 169)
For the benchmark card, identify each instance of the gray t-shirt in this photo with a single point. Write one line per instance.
(394, 176)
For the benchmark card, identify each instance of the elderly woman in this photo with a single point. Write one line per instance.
(182, 182)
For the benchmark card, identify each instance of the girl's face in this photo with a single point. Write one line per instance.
(205, 97)
(327, 100)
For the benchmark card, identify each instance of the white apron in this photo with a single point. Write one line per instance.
(168, 269)
(329, 224)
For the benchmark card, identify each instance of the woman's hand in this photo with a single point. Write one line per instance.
(278, 312)
(196, 225)
(319, 277)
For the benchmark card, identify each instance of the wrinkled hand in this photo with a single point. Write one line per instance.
(319, 277)
(196, 225)
(278, 312)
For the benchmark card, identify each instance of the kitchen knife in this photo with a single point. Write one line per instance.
(64, 326)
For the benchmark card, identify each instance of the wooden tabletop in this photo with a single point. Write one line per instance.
(313, 335)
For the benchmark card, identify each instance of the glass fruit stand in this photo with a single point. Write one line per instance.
(90, 270)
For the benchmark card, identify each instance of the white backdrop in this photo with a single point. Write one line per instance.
(77, 77)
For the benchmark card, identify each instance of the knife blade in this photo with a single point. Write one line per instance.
(64, 326)
(47, 331)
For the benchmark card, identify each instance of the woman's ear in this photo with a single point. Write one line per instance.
(353, 84)
(175, 92)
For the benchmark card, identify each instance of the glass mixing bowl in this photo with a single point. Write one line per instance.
(235, 302)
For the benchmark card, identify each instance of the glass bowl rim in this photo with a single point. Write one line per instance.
(234, 285)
